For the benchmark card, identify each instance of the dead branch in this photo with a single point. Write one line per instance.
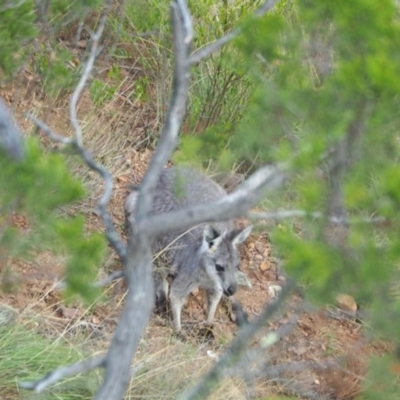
(236, 204)
(76, 142)
(183, 36)
(10, 137)
(11, 5)
(138, 263)
(48, 131)
(206, 51)
(267, 216)
(285, 214)
(63, 372)
(94, 52)
(99, 284)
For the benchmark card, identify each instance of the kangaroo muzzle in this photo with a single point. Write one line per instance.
(231, 290)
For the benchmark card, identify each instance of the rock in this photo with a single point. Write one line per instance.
(346, 303)
(274, 290)
(264, 266)
(243, 280)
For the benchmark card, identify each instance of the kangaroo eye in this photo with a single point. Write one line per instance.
(219, 268)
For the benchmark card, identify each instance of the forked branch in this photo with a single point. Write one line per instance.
(77, 143)
(138, 264)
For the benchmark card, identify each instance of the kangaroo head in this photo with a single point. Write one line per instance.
(220, 256)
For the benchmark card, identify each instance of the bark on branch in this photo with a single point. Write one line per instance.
(10, 137)
(138, 263)
(64, 372)
(236, 204)
(77, 143)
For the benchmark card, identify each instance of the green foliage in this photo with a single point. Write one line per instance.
(140, 91)
(17, 27)
(323, 84)
(147, 16)
(64, 10)
(219, 92)
(25, 183)
(28, 31)
(101, 92)
(382, 379)
(86, 255)
(294, 90)
(23, 353)
(55, 70)
(36, 187)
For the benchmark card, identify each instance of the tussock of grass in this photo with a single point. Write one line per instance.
(24, 355)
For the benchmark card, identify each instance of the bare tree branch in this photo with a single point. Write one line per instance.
(63, 372)
(48, 131)
(76, 142)
(236, 349)
(111, 233)
(138, 263)
(284, 214)
(234, 205)
(206, 51)
(254, 216)
(12, 4)
(99, 284)
(10, 137)
(169, 136)
(133, 320)
(94, 52)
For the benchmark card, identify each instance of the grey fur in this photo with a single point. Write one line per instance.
(202, 257)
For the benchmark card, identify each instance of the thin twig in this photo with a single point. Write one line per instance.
(98, 284)
(94, 51)
(63, 372)
(111, 233)
(48, 131)
(278, 215)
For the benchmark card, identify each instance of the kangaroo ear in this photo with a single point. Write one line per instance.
(212, 237)
(241, 236)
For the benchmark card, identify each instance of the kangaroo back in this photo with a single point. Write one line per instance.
(181, 188)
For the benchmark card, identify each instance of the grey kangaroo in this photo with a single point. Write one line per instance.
(204, 256)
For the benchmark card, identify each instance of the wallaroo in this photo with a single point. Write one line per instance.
(204, 256)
